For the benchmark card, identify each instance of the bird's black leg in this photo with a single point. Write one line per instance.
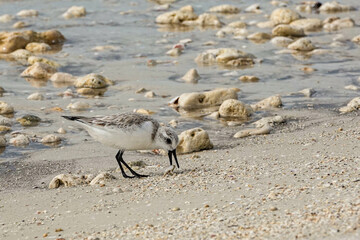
(132, 171)
(119, 160)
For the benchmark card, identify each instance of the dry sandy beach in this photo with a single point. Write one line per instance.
(300, 182)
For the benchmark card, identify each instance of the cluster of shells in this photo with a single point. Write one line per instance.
(29, 48)
(287, 30)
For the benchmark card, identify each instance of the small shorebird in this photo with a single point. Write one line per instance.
(130, 131)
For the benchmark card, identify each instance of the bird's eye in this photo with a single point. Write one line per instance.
(168, 141)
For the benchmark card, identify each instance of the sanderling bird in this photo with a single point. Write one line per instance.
(130, 131)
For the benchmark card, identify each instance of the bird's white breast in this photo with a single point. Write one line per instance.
(134, 138)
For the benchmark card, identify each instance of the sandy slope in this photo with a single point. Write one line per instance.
(301, 181)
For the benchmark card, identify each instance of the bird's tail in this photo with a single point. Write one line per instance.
(72, 118)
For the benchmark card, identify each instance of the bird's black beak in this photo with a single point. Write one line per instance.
(170, 154)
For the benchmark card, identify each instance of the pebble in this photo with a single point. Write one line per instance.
(283, 16)
(338, 24)
(92, 80)
(141, 90)
(356, 39)
(39, 70)
(29, 120)
(308, 24)
(5, 108)
(117, 190)
(74, 12)
(198, 100)
(352, 87)
(302, 44)
(225, 8)
(335, 7)
(266, 24)
(169, 170)
(150, 94)
(308, 69)
(78, 106)
(36, 47)
(287, 31)
(61, 131)
(235, 108)
(6, 18)
(104, 48)
(281, 41)
(186, 13)
(4, 129)
(61, 77)
(259, 37)
(353, 105)
(20, 140)
(33, 59)
(35, 96)
(21, 54)
(2, 141)
(268, 103)
(192, 76)
(307, 92)
(266, 129)
(272, 121)
(51, 138)
(175, 209)
(5, 121)
(144, 111)
(173, 123)
(19, 24)
(272, 208)
(248, 78)
(174, 52)
(162, 7)
(193, 140)
(28, 13)
(254, 8)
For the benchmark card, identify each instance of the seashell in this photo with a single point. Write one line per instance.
(102, 177)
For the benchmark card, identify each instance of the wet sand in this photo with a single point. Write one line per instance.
(302, 181)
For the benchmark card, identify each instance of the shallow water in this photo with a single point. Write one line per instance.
(135, 35)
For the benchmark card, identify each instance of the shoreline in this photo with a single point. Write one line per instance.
(300, 181)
